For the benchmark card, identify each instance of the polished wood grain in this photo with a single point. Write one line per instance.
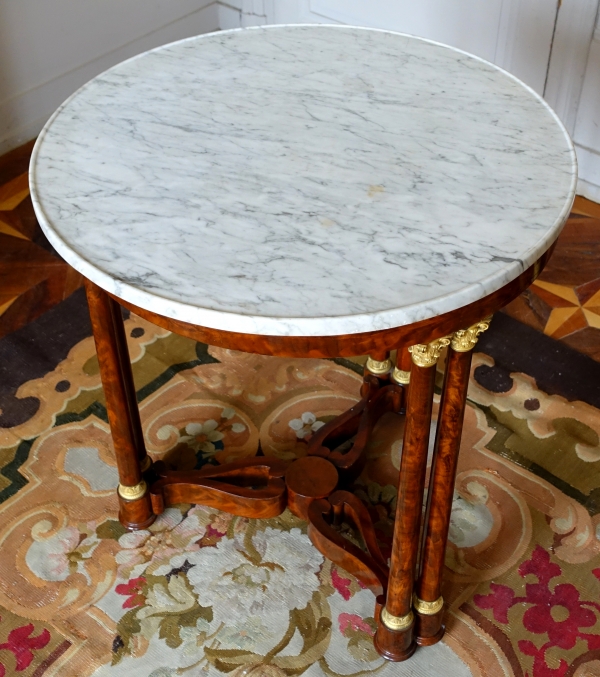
(564, 302)
(324, 516)
(261, 487)
(586, 207)
(14, 192)
(343, 441)
(121, 400)
(251, 487)
(136, 515)
(380, 355)
(391, 644)
(32, 278)
(342, 432)
(309, 479)
(410, 489)
(403, 359)
(407, 522)
(34, 295)
(429, 629)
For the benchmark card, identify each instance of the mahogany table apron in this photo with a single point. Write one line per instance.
(409, 605)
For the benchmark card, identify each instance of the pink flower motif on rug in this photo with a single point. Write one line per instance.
(540, 667)
(22, 645)
(150, 550)
(353, 622)
(558, 613)
(133, 591)
(359, 632)
(342, 585)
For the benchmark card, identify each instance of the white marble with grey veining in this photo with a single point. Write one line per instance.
(303, 180)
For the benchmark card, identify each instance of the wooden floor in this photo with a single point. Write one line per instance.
(563, 303)
(32, 276)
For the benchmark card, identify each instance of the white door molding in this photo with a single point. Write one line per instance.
(515, 34)
(568, 60)
(468, 24)
(293, 12)
(525, 39)
(586, 133)
(242, 13)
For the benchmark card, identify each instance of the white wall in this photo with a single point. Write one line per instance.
(587, 126)
(49, 48)
(242, 13)
(515, 34)
(570, 48)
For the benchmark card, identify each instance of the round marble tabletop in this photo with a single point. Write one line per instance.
(303, 180)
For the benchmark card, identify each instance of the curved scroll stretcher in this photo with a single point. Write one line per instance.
(249, 488)
(369, 567)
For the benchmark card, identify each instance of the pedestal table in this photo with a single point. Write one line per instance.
(317, 191)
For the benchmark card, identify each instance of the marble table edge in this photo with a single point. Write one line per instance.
(302, 326)
(299, 326)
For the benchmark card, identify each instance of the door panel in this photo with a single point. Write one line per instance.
(514, 34)
(471, 25)
(587, 127)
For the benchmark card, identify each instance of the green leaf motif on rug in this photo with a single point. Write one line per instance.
(110, 529)
(171, 624)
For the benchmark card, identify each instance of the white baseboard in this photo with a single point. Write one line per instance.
(571, 45)
(23, 116)
(589, 190)
(588, 184)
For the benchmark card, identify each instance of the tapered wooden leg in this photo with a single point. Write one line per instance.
(428, 601)
(121, 403)
(394, 635)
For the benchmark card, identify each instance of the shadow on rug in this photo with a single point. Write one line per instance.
(205, 593)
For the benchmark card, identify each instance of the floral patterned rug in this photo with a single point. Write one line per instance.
(201, 593)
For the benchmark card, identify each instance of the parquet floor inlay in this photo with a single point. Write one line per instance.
(33, 278)
(563, 303)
